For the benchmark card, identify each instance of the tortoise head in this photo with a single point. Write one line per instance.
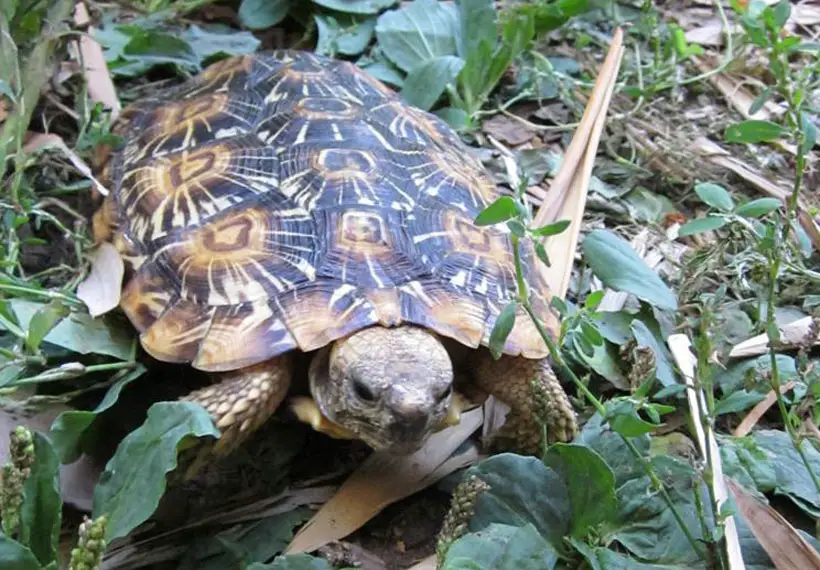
(390, 387)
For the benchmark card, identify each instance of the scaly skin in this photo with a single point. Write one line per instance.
(391, 388)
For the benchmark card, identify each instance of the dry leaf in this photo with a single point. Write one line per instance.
(680, 347)
(710, 33)
(101, 290)
(787, 549)
(507, 130)
(100, 85)
(754, 415)
(382, 480)
(45, 141)
(793, 334)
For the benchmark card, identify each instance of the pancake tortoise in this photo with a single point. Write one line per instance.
(285, 204)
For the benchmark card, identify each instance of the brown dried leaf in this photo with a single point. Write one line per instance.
(507, 130)
(787, 549)
(100, 85)
(760, 409)
(101, 290)
(382, 480)
(46, 141)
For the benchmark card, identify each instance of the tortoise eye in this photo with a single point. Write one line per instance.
(446, 394)
(363, 391)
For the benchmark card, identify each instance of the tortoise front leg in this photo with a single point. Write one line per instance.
(510, 379)
(244, 399)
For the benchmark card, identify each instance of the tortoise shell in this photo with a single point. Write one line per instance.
(283, 200)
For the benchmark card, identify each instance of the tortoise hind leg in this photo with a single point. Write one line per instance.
(244, 399)
(510, 379)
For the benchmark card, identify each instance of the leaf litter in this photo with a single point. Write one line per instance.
(658, 145)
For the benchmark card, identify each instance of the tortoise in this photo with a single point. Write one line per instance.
(285, 204)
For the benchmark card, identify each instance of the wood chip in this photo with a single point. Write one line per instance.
(100, 85)
(795, 333)
(507, 130)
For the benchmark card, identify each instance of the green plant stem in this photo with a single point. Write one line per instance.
(645, 465)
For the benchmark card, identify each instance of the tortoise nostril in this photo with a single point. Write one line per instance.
(363, 391)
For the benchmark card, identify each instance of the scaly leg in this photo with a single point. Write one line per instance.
(510, 379)
(244, 399)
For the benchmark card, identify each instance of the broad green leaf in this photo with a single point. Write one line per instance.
(753, 131)
(261, 14)
(598, 436)
(624, 419)
(652, 337)
(261, 540)
(737, 402)
(499, 211)
(605, 361)
(80, 333)
(294, 562)
(617, 266)
(418, 32)
(752, 373)
(553, 15)
(456, 118)
(552, 229)
(522, 490)
(42, 510)
(343, 34)
(356, 6)
(700, 225)
(210, 41)
(501, 329)
(600, 558)
(590, 482)
(69, 427)
(779, 14)
(809, 132)
(42, 322)
(769, 462)
(715, 196)
(133, 482)
(160, 47)
(501, 547)
(758, 208)
(594, 299)
(478, 19)
(425, 84)
(15, 556)
(646, 526)
(376, 64)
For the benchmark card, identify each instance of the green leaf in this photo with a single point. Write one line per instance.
(624, 419)
(652, 337)
(779, 14)
(600, 558)
(541, 252)
(261, 14)
(594, 299)
(501, 329)
(424, 85)
(478, 19)
(737, 402)
(501, 547)
(69, 427)
(42, 322)
(758, 208)
(80, 333)
(552, 229)
(418, 32)
(133, 482)
(42, 509)
(551, 16)
(212, 41)
(760, 100)
(499, 211)
(343, 34)
(356, 6)
(598, 436)
(753, 131)
(809, 132)
(591, 334)
(700, 225)
(159, 47)
(590, 482)
(768, 461)
(617, 266)
(15, 556)
(294, 562)
(522, 490)
(715, 196)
